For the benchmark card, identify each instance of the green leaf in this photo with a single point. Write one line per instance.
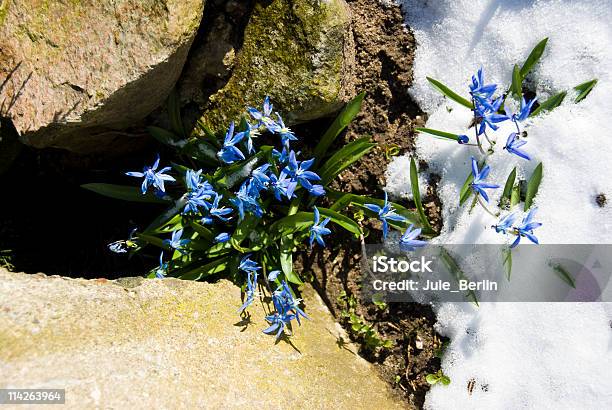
(563, 274)
(230, 176)
(174, 112)
(416, 194)
(201, 151)
(515, 197)
(172, 225)
(445, 380)
(533, 186)
(517, 80)
(342, 200)
(449, 93)
(533, 58)
(506, 195)
(452, 265)
(341, 220)
(216, 266)
(343, 119)
(584, 89)
(292, 223)
(153, 240)
(286, 260)
(245, 227)
(432, 379)
(344, 158)
(550, 104)
(465, 192)
(165, 218)
(203, 231)
(201, 130)
(443, 134)
(123, 192)
(507, 261)
(165, 137)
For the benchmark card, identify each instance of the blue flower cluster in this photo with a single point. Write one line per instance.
(487, 115)
(208, 203)
(386, 213)
(286, 306)
(524, 229)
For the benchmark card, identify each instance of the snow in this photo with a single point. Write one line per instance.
(528, 355)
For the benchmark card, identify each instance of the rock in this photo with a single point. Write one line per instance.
(76, 71)
(300, 52)
(138, 343)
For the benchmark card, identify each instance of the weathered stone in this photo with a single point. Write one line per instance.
(299, 52)
(75, 70)
(138, 343)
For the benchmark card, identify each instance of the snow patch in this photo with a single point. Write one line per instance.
(525, 355)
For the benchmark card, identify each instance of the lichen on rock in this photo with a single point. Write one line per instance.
(144, 344)
(299, 52)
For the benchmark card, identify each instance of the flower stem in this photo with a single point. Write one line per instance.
(484, 205)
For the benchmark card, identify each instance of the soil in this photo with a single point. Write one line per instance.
(50, 224)
(385, 52)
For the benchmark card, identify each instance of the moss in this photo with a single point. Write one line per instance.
(4, 6)
(292, 51)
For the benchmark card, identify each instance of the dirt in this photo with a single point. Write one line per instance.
(385, 53)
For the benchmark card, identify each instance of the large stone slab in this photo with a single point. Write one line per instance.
(172, 344)
(75, 71)
(299, 52)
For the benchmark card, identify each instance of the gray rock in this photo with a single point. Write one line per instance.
(299, 52)
(139, 343)
(76, 71)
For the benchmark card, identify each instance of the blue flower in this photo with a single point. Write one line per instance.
(251, 290)
(176, 242)
(207, 220)
(282, 185)
(249, 134)
(222, 237)
(219, 212)
(162, 270)
(273, 275)
(408, 241)
(245, 202)
(525, 110)
(387, 212)
(247, 265)
(199, 192)
(477, 185)
(317, 230)
(488, 116)
(479, 90)
(196, 200)
(260, 177)
(193, 179)
(284, 302)
(278, 322)
(229, 153)
(152, 177)
(316, 190)
(285, 133)
(526, 229)
(281, 156)
(463, 139)
(505, 223)
(513, 145)
(298, 171)
(264, 117)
